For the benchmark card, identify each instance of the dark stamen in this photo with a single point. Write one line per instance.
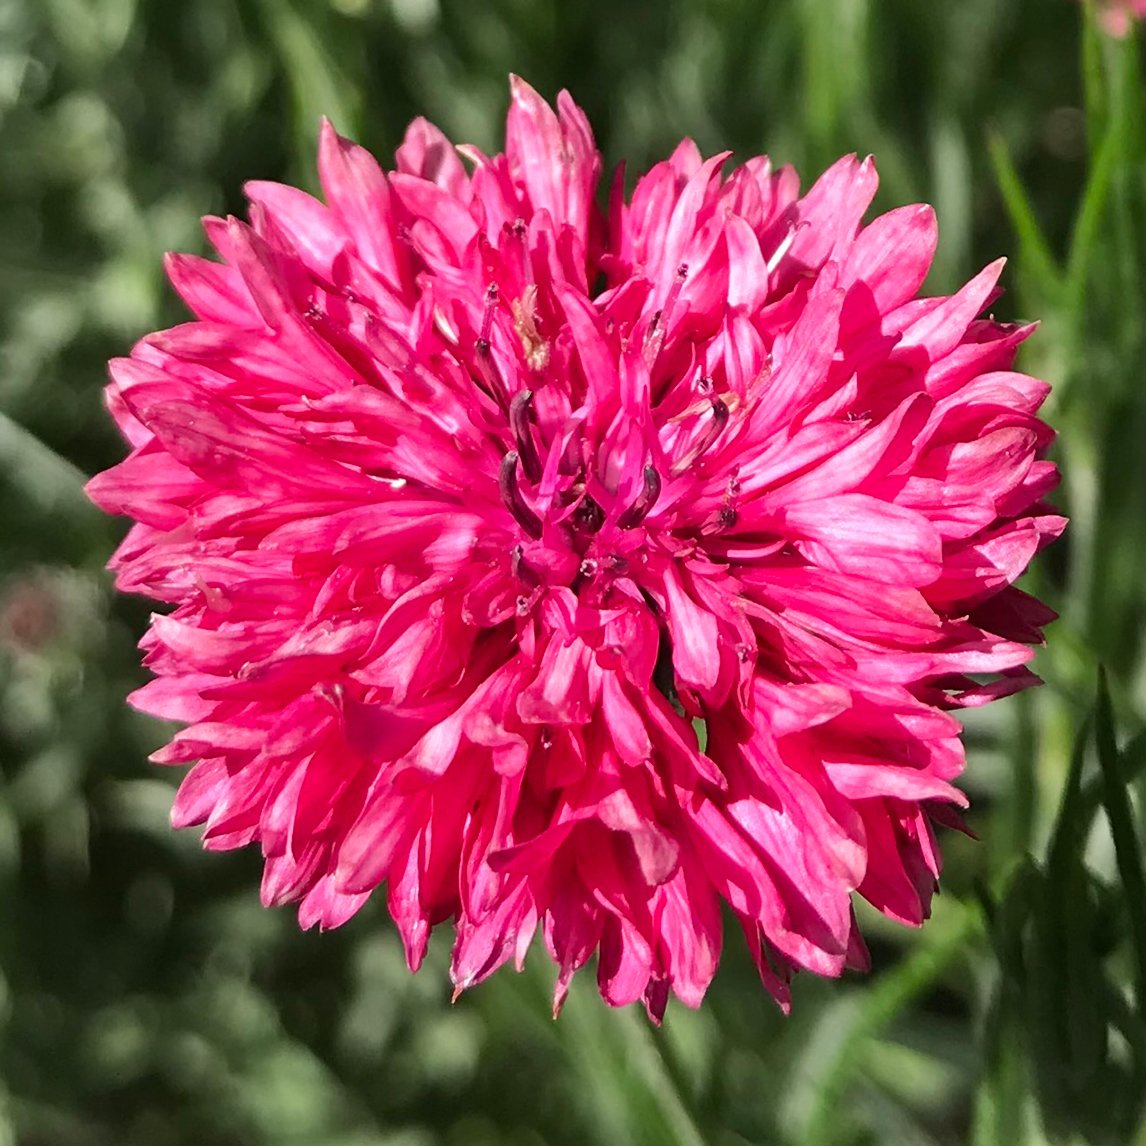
(674, 292)
(490, 381)
(710, 434)
(511, 495)
(646, 499)
(491, 295)
(658, 324)
(520, 233)
(728, 515)
(664, 677)
(654, 339)
(520, 410)
(588, 517)
(490, 377)
(520, 569)
(719, 421)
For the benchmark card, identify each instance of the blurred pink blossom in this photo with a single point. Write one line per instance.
(1116, 15)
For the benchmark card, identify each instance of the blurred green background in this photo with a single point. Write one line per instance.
(147, 1000)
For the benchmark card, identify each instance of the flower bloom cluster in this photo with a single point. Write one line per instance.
(580, 570)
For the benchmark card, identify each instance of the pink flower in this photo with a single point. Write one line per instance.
(472, 502)
(1116, 15)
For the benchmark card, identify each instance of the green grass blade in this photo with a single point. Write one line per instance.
(947, 940)
(1127, 848)
(1037, 260)
(1091, 215)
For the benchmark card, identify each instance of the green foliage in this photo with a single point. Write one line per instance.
(146, 999)
(1070, 989)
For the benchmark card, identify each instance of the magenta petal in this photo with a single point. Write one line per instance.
(865, 537)
(800, 362)
(428, 154)
(828, 217)
(200, 791)
(357, 191)
(624, 963)
(859, 780)
(552, 156)
(215, 292)
(326, 906)
(944, 326)
(314, 230)
(695, 635)
(891, 256)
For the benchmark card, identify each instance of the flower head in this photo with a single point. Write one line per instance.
(579, 571)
